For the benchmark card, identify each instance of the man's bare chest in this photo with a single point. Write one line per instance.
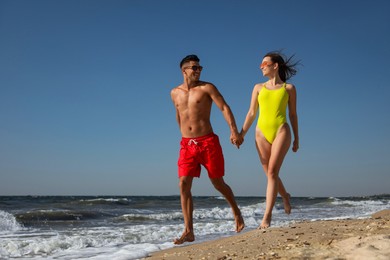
(193, 96)
(194, 101)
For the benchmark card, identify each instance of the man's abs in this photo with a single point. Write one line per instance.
(193, 129)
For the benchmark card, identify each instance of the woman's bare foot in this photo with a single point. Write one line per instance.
(266, 222)
(186, 237)
(239, 223)
(286, 203)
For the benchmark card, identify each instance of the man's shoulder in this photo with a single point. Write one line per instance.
(200, 86)
(179, 86)
(175, 89)
(206, 85)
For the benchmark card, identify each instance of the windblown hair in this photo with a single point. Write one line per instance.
(287, 67)
(188, 58)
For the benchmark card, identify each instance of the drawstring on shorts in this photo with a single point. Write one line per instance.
(192, 141)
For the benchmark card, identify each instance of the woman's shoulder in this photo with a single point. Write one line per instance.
(258, 86)
(289, 86)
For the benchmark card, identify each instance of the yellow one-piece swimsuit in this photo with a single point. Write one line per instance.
(272, 116)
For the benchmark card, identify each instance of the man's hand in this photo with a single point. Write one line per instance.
(236, 139)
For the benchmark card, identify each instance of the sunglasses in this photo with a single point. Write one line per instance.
(194, 68)
(265, 63)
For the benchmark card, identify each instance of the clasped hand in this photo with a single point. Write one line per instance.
(236, 139)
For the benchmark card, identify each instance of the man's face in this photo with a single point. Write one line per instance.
(192, 70)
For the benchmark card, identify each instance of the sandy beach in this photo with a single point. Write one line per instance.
(334, 239)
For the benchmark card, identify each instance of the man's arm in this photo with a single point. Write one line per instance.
(178, 118)
(218, 99)
(177, 111)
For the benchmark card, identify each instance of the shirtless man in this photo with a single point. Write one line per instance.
(199, 145)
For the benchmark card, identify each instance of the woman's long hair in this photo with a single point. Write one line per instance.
(286, 65)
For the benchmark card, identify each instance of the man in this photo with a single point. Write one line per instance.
(199, 145)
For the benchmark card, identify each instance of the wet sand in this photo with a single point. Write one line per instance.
(333, 239)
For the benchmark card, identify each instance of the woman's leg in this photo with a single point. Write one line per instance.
(271, 157)
(285, 197)
(264, 158)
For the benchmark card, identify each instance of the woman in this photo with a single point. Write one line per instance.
(273, 135)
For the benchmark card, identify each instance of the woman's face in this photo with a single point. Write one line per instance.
(268, 67)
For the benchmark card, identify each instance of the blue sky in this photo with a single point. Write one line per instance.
(85, 104)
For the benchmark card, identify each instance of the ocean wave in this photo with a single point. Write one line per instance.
(210, 214)
(100, 201)
(109, 231)
(56, 215)
(44, 246)
(357, 203)
(8, 222)
(155, 216)
(88, 243)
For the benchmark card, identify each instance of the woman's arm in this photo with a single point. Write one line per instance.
(292, 109)
(252, 112)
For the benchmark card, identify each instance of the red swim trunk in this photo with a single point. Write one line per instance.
(205, 150)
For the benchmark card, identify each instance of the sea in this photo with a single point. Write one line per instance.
(133, 227)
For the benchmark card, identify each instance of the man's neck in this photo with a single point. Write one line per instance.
(188, 84)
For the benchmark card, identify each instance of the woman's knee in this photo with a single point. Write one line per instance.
(273, 174)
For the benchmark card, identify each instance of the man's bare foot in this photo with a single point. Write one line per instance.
(239, 223)
(286, 203)
(186, 237)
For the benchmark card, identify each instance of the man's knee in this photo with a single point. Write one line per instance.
(219, 184)
(184, 185)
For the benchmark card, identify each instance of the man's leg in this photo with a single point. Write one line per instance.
(227, 192)
(185, 184)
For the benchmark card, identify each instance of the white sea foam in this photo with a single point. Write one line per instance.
(106, 200)
(155, 216)
(362, 208)
(91, 243)
(138, 234)
(96, 243)
(8, 222)
(216, 213)
(359, 203)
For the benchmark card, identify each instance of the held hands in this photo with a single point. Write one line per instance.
(236, 139)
